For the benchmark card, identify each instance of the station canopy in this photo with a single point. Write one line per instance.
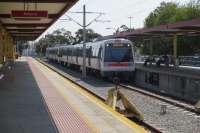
(182, 28)
(28, 19)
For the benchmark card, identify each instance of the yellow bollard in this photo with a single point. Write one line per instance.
(112, 98)
(130, 109)
(197, 106)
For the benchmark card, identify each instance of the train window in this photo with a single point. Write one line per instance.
(71, 52)
(65, 51)
(80, 52)
(119, 54)
(90, 52)
(87, 52)
(68, 52)
(75, 51)
(99, 54)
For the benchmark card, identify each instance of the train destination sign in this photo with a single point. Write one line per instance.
(118, 45)
(29, 14)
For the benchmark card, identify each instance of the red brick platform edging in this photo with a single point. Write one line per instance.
(66, 119)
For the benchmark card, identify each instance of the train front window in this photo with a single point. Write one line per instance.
(118, 53)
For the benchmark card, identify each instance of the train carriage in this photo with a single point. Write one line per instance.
(108, 57)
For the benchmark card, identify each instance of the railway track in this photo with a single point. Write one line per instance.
(142, 123)
(176, 103)
(171, 105)
(153, 122)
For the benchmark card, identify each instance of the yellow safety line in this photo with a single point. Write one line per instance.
(106, 108)
(86, 119)
(101, 104)
(77, 110)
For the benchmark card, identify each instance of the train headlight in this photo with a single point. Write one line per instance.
(107, 45)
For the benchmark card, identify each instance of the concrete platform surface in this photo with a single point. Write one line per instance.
(22, 109)
(97, 115)
(34, 99)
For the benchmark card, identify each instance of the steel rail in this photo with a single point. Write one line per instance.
(64, 75)
(164, 99)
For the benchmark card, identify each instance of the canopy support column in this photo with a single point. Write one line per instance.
(151, 47)
(151, 51)
(175, 49)
(1, 48)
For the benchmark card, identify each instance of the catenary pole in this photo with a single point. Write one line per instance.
(84, 25)
(84, 45)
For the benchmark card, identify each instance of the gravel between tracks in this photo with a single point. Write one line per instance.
(176, 120)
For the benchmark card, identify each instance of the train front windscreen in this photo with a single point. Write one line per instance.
(118, 53)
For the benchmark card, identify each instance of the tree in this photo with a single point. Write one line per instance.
(90, 35)
(171, 12)
(63, 37)
(57, 37)
(124, 28)
(162, 14)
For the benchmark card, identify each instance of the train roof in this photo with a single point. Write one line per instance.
(95, 42)
(114, 39)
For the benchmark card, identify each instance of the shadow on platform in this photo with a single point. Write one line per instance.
(22, 109)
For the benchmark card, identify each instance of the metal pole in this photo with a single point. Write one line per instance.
(130, 21)
(84, 45)
(151, 48)
(175, 49)
(151, 51)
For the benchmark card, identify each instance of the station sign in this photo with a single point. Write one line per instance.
(29, 14)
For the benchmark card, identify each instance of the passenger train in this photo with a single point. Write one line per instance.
(111, 57)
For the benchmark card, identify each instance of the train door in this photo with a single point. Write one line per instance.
(70, 55)
(89, 55)
(58, 55)
(66, 54)
(99, 57)
(133, 48)
(76, 54)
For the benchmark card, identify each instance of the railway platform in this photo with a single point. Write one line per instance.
(36, 99)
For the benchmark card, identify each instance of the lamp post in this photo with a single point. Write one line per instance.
(130, 21)
(111, 28)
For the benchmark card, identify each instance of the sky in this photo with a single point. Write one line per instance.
(115, 11)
